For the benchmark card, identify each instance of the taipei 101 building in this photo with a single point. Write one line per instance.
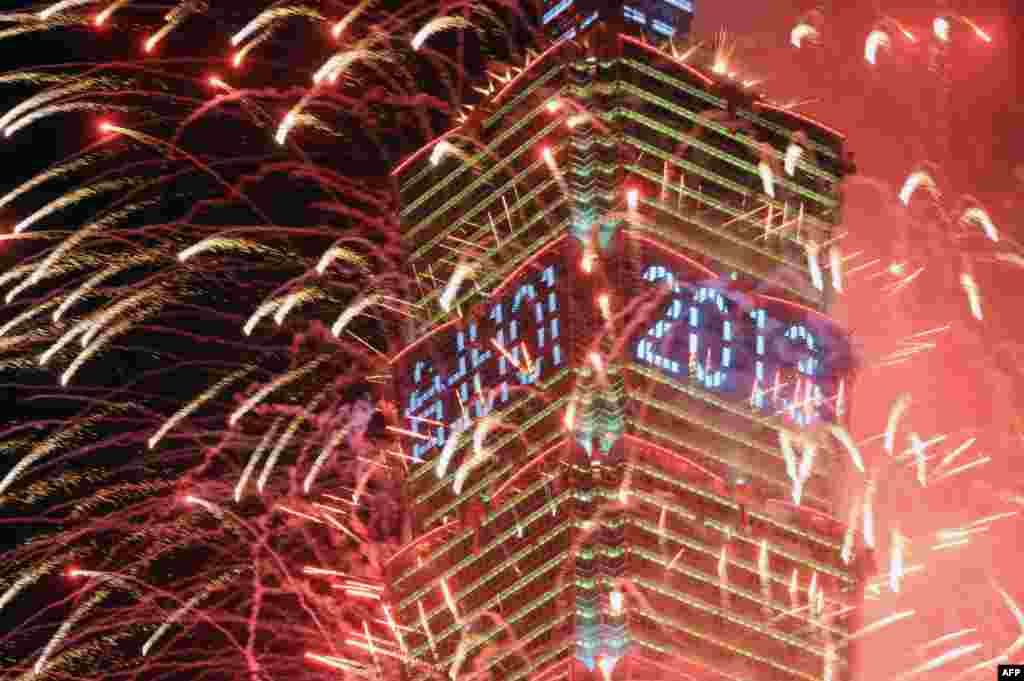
(624, 398)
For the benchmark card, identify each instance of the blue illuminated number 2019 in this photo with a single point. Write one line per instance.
(465, 393)
(708, 356)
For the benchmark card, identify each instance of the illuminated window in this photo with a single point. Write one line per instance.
(684, 5)
(663, 28)
(556, 10)
(634, 14)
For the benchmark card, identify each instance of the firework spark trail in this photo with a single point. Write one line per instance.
(917, 179)
(73, 198)
(268, 16)
(80, 327)
(293, 300)
(353, 311)
(346, 21)
(843, 436)
(895, 414)
(65, 107)
(90, 284)
(27, 579)
(66, 626)
(276, 384)
(881, 624)
(896, 546)
(979, 216)
(480, 453)
(42, 98)
(173, 19)
(58, 7)
(939, 661)
(240, 55)
(1012, 606)
(877, 40)
(100, 342)
(341, 253)
(335, 67)
(337, 436)
(918, 446)
(437, 25)
(221, 244)
(195, 404)
(175, 616)
(23, 317)
(973, 294)
(58, 171)
(462, 272)
(47, 266)
(48, 446)
(450, 446)
(140, 302)
(286, 437)
(867, 513)
(105, 15)
(802, 32)
(255, 457)
(836, 266)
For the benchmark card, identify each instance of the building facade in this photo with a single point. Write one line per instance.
(657, 20)
(623, 391)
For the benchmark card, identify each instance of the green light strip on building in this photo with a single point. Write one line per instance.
(541, 660)
(472, 558)
(711, 426)
(711, 99)
(676, 653)
(698, 604)
(669, 622)
(782, 527)
(655, 501)
(497, 570)
(780, 607)
(671, 133)
(535, 85)
(487, 152)
(720, 103)
(674, 237)
(808, 563)
(700, 394)
(518, 586)
(495, 196)
(694, 447)
(483, 179)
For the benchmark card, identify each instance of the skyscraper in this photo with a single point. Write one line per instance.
(623, 394)
(656, 19)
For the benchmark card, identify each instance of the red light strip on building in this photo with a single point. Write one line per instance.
(799, 306)
(646, 443)
(705, 79)
(803, 117)
(517, 271)
(437, 329)
(648, 240)
(419, 152)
